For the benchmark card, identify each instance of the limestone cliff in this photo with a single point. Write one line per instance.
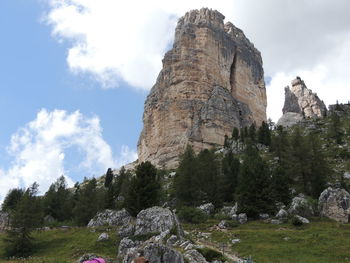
(300, 99)
(212, 80)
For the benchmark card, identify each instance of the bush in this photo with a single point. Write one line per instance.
(192, 215)
(211, 255)
(296, 221)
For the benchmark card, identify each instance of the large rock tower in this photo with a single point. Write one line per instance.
(212, 80)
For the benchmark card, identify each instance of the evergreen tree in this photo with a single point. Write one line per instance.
(24, 218)
(253, 186)
(252, 132)
(335, 129)
(226, 142)
(144, 190)
(109, 177)
(11, 200)
(264, 134)
(230, 172)
(186, 181)
(235, 134)
(208, 170)
(319, 169)
(57, 200)
(88, 202)
(280, 186)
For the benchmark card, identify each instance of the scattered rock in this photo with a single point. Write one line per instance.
(234, 217)
(111, 218)
(124, 245)
(229, 211)
(103, 237)
(207, 208)
(347, 175)
(172, 241)
(275, 222)
(301, 206)
(282, 214)
(289, 119)
(235, 241)
(154, 220)
(286, 238)
(302, 219)
(334, 203)
(194, 256)
(263, 216)
(242, 218)
(156, 253)
(222, 224)
(127, 230)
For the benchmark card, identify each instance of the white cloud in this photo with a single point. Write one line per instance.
(39, 150)
(126, 40)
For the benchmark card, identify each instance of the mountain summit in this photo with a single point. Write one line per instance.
(212, 80)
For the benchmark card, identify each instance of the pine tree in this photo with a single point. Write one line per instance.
(252, 132)
(235, 134)
(229, 181)
(264, 134)
(11, 200)
(280, 186)
(109, 177)
(335, 130)
(208, 170)
(24, 218)
(186, 181)
(87, 203)
(253, 185)
(57, 200)
(144, 190)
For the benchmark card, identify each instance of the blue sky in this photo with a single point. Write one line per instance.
(75, 73)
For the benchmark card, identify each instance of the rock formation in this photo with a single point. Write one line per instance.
(212, 80)
(334, 202)
(300, 102)
(111, 218)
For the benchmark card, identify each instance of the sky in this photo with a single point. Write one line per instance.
(74, 74)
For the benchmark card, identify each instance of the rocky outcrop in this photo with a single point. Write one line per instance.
(156, 253)
(300, 102)
(212, 80)
(301, 206)
(111, 218)
(154, 220)
(334, 203)
(4, 221)
(207, 208)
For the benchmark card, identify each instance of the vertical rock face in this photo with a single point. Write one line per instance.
(300, 99)
(212, 80)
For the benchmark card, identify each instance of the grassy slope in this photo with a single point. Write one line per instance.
(322, 241)
(66, 246)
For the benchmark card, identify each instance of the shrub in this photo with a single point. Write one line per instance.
(211, 255)
(192, 215)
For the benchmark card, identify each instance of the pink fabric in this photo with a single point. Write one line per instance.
(95, 260)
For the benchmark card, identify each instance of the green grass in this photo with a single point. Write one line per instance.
(322, 241)
(66, 246)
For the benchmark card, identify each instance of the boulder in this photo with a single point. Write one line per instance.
(263, 216)
(103, 237)
(301, 206)
(49, 219)
(127, 230)
(282, 214)
(302, 219)
(4, 221)
(172, 241)
(111, 218)
(155, 253)
(124, 245)
(207, 208)
(222, 224)
(154, 220)
(275, 222)
(229, 211)
(86, 257)
(194, 256)
(334, 203)
(242, 218)
(235, 241)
